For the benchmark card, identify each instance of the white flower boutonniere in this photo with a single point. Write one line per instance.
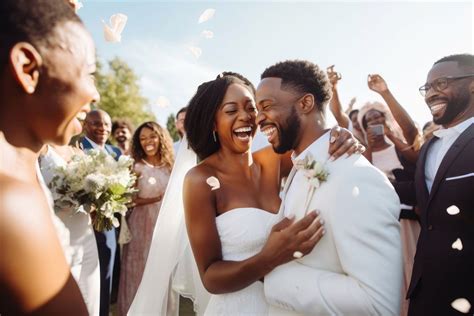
(315, 172)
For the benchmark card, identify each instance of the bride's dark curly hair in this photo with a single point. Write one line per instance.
(202, 108)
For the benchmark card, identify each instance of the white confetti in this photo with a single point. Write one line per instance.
(207, 34)
(453, 210)
(151, 180)
(163, 102)
(461, 305)
(113, 33)
(457, 244)
(206, 15)
(355, 192)
(196, 51)
(213, 183)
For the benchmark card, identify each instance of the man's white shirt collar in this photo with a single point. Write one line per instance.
(454, 130)
(94, 144)
(318, 149)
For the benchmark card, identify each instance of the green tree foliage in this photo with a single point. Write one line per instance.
(120, 94)
(170, 125)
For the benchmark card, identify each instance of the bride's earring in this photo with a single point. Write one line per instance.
(214, 135)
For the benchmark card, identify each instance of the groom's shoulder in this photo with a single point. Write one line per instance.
(356, 167)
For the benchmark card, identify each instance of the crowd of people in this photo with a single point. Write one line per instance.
(371, 217)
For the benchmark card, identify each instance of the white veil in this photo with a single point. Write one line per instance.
(170, 251)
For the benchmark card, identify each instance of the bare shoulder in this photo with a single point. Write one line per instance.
(200, 173)
(266, 156)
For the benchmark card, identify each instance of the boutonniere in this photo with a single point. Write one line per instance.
(315, 172)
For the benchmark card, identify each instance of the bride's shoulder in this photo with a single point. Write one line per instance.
(200, 172)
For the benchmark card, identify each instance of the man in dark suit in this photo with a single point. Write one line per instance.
(443, 273)
(97, 128)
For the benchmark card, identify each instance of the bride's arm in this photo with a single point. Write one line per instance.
(219, 276)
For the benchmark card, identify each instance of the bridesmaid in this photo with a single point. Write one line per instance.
(152, 149)
(80, 247)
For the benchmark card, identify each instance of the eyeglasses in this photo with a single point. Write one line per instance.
(440, 84)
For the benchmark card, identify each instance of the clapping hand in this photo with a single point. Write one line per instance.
(376, 83)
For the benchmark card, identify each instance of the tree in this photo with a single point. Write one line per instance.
(120, 94)
(171, 126)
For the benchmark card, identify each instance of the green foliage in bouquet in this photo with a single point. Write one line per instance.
(97, 184)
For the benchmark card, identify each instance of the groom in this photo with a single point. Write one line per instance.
(356, 268)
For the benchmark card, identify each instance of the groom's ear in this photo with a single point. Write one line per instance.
(306, 103)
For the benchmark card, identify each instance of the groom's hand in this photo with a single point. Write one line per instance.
(288, 237)
(342, 141)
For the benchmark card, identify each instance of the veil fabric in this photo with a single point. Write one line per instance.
(170, 260)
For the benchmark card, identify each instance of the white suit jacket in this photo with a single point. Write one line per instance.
(356, 268)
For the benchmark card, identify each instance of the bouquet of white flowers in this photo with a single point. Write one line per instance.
(95, 182)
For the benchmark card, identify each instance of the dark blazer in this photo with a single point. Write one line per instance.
(442, 274)
(107, 247)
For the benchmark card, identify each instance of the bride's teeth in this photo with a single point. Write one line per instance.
(243, 129)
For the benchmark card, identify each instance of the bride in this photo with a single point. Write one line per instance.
(231, 203)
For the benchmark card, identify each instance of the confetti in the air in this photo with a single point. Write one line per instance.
(355, 192)
(453, 210)
(162, 102)
(207, 34)
(461, 305)
(151, 180)
(196, 51)
(457, 244)
(213, 183)
(206, 15)
(113, 32)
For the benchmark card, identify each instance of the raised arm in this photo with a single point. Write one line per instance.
(219, 276)
(377, 83)
(335, 104)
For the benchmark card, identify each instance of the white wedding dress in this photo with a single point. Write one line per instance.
(242, 232)
(77, 239)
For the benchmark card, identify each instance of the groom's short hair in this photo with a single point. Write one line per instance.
(304, 77)
(31, 21)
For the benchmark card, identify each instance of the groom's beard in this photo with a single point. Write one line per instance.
(289, 133)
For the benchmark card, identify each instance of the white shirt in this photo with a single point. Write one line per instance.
(437, 151)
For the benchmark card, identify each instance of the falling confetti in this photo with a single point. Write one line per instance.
(453, 210)
(461, 305)
(151, 180)
(163, 102)
(355, 192)
(196, 51)
(213, 183)
(457, 244)
(113, 33)
(207, 34)
(206, 15)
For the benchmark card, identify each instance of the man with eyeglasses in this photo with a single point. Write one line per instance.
(442, 281)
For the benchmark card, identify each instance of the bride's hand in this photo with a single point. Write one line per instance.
(287, 238)
(342, 142)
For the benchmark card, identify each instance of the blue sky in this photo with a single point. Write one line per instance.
(398, 40)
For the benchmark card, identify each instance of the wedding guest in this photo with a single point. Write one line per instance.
(97, 127)
(153, 154)
(442, 280)
(47, 59)
(79, 245)
(122, 133)
(179, 123)
(391, 155)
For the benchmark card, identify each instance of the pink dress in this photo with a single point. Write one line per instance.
(141, 222)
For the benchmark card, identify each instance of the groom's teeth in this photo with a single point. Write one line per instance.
(269, 131)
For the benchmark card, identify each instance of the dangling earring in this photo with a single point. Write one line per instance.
(214, 135)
